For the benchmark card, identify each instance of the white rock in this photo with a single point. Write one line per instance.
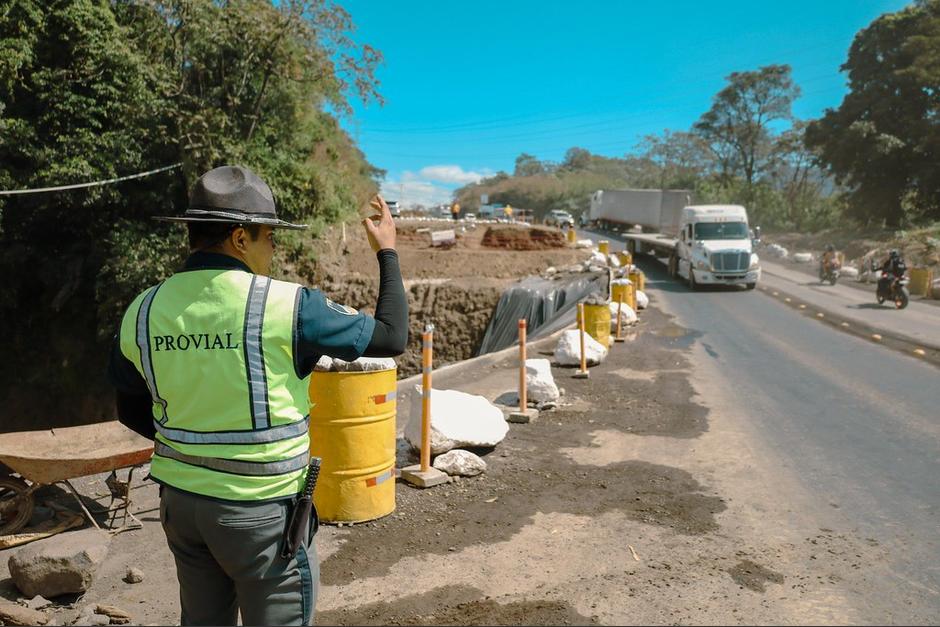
(324, 364)
(595, 268)
(549, 271)
(584, 243)
(457, 419)
(460, 463)
(627, 316)
(642, 300)
(568, 350)
(802, 257)
(849, 272)
(613, 261)
(621, 281)
(598, 258)
(776, 250)
(540, 384)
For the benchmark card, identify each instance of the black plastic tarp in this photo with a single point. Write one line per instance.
(546, 304)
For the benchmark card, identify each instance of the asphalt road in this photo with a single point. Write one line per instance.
(857, 423)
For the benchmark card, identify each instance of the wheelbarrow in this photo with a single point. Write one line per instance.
(57, 455)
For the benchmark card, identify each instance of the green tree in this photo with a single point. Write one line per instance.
(680, 158)
(576, 159)
(737, 127)
(528, 165)
(93, 89)
(882, 142)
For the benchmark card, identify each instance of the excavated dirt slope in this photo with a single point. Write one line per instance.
(454, 288)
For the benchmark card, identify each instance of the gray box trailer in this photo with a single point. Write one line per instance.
(655, 210)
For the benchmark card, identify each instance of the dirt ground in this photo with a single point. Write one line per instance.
(634, 502)
(454, 288)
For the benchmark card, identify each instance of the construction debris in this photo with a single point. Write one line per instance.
(458, 419)
(460, 463)
(60, 565)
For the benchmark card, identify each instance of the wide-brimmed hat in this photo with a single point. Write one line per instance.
(232, 194)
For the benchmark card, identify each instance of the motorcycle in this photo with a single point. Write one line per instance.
(894, 290)
(829, 272)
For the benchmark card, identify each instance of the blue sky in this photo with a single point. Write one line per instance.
(468, 86)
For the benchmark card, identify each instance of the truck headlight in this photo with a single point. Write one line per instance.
(755, 262)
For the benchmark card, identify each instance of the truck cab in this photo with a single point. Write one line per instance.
(714, 247)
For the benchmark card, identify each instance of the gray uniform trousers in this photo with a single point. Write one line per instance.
(228, 559)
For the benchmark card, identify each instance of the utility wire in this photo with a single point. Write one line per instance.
(11, 192)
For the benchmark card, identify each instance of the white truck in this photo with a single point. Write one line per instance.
(704, 244)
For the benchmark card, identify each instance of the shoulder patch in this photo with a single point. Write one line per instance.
(343, 309)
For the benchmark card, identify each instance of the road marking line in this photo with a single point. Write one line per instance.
(920, 351)
(876, 337)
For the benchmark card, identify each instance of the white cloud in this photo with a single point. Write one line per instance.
(453, 174)
(410, 192)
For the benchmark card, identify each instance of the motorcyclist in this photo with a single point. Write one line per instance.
(829, 258)
(892, 268)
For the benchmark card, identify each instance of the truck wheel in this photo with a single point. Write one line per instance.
(751, 286)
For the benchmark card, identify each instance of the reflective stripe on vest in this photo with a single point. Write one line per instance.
(254, 354)
(254, 436)
(234, 466)
(143, 343)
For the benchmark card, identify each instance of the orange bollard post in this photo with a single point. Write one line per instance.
(525, 414)
(423, 474)
(583, 372)
(427, 350)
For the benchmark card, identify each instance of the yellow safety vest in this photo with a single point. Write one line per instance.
(216, 348)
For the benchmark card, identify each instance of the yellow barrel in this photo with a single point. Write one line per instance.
(921, 279)
(572, 236)
(352, 428)
(626, 292)
(597, 322)
(604, 246)
(625, 257)
(639, 280)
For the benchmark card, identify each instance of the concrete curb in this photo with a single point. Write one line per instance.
(405, 387)
(888, 337)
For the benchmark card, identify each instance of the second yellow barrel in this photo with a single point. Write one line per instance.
(604, 246)
(625, 292)
(597, 322)
(352, 428)
(639, 280)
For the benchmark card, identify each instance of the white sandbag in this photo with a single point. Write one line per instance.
(613, 261)
(458, 419)
(802, 257)
(568, 350)
(539, 382)
(628, 317)
(849, 272)
(642, 300)
(363, 364)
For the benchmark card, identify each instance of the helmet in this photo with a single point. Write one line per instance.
(830, 248)
(894, 254)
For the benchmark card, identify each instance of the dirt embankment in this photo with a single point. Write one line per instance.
(455, 289)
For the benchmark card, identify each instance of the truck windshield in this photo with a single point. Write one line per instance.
(721, 230)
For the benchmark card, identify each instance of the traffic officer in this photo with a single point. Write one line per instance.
(213, 365)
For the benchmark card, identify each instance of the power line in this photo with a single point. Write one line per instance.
(59, 188)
